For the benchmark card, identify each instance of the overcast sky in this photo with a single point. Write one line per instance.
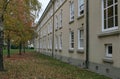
(44, 5)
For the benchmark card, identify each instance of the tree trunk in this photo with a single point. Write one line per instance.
(20, 48)
(8, 47)
(1, 45)
(1, 52)
(2, 12)
(24, 47)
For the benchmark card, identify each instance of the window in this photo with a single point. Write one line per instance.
(61, 14)
(51, 43)
(56, 42)
(80, 7)
(48, 43)
(109, 50)
(56, 22)
(50, 27)
(110, 14)
(80, 39)
(60, 41)
(61, 2)
(40, 43)
(71, 11)
(44, 43)
(51, 11)
(71, 40)
(57, 3)
(45, 32)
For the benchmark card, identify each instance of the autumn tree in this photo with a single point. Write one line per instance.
(14, 14)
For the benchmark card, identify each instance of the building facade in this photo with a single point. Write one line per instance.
(84, 33)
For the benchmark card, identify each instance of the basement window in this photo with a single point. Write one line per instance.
(109, 50)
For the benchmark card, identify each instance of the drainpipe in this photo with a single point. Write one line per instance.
(87, 34)
(53, 31)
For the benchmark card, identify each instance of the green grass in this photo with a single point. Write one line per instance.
(32, 65)
(77, 73)
(13, 51)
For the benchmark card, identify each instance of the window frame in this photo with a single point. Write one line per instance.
(72, 11)
(113, 27)
(56, 42)
(51, 29)
(48, 27)
(61, 17)
(50, 39)
(60, 41)
(81, 9)
(80, 38)
(56, 22)
(71, 40)
(48, 43)
(107, 50)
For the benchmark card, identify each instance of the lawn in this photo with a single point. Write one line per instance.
(13, 51)
(32, 65)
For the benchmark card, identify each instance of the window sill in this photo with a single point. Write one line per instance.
(55, 49)
(60, 27)
(71, 50)
(81, 16)
(80, 51)
(109, 33)
(71, 22)
(50, 32)
(108, 60)
(60, 50)
(56, 29)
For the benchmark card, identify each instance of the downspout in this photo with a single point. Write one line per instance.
(87, 34)
(53, 31)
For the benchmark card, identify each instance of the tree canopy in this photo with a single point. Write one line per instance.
(17, 18)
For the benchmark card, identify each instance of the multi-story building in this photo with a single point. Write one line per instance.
(84, 33)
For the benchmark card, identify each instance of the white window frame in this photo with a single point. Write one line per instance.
(58, 3)
(40, 44)
(61, 15)
(56, 22)
(80, 5)
(106, 50)
(56, 42)
(50, 27)
(60, 41)
(44, 43)
(80, 37)
(71, 40)
(71, 10)
(114, 27)
(48, 43)
(61, 2)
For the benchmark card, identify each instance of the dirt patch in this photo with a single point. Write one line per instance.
(18, 57)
